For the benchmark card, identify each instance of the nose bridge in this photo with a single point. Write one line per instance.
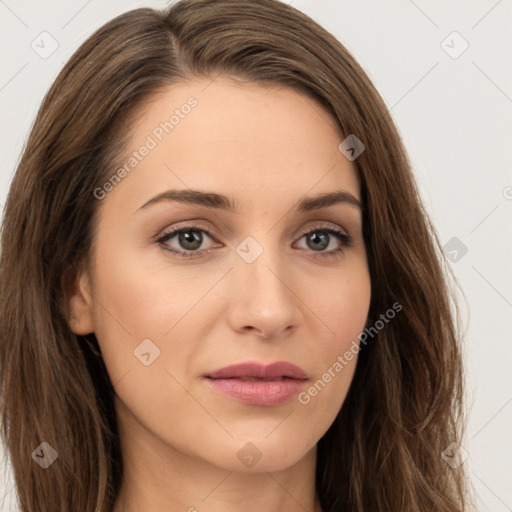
(262, 259)
(263, 298)
(265, 295)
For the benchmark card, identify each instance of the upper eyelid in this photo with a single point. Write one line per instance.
(191, 226)
(170, 233)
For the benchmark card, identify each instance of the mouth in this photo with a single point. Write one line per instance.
(257, 384)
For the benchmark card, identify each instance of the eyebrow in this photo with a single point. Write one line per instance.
(222, 202)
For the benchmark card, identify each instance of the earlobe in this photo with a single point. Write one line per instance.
(78, 301)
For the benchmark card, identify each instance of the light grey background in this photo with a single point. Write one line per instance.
(454, 115)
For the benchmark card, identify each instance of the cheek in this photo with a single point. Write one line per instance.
(142, 294)
(345, 307)
(338, 356)
(344, 303)
(133, 304)
(144, 329)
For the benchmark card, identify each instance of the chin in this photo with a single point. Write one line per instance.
(260, 454)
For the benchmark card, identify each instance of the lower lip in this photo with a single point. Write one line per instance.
(259, 392)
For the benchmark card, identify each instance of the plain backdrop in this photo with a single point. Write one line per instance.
(452, 106)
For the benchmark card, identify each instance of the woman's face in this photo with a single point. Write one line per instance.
(240, 285)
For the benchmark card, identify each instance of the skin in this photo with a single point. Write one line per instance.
(266, 147)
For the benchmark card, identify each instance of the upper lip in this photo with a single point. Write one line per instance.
(258, 370)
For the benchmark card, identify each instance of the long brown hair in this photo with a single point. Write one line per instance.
(405, 405)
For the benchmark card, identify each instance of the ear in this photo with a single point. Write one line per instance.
(78, 300)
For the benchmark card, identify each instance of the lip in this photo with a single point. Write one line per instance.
(254, 383)
(260, 371)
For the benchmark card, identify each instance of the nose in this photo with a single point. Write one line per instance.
(266, 297)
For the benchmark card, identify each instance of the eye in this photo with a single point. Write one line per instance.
(190, 239)
(320, 238)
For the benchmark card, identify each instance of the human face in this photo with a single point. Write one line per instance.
(254, 288)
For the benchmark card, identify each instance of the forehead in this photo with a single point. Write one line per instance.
(264, 141)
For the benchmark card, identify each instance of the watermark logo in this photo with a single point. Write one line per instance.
(455, 455)
(249, 455)
(351, 147)
(45, 455)
(44, 45)
(249, 249)
(455, 249)
(454, 45)
(146, 352)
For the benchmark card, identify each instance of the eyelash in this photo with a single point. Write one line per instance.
(346, 241)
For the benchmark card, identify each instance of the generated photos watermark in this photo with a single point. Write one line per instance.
(305, 397)
(151, 142)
